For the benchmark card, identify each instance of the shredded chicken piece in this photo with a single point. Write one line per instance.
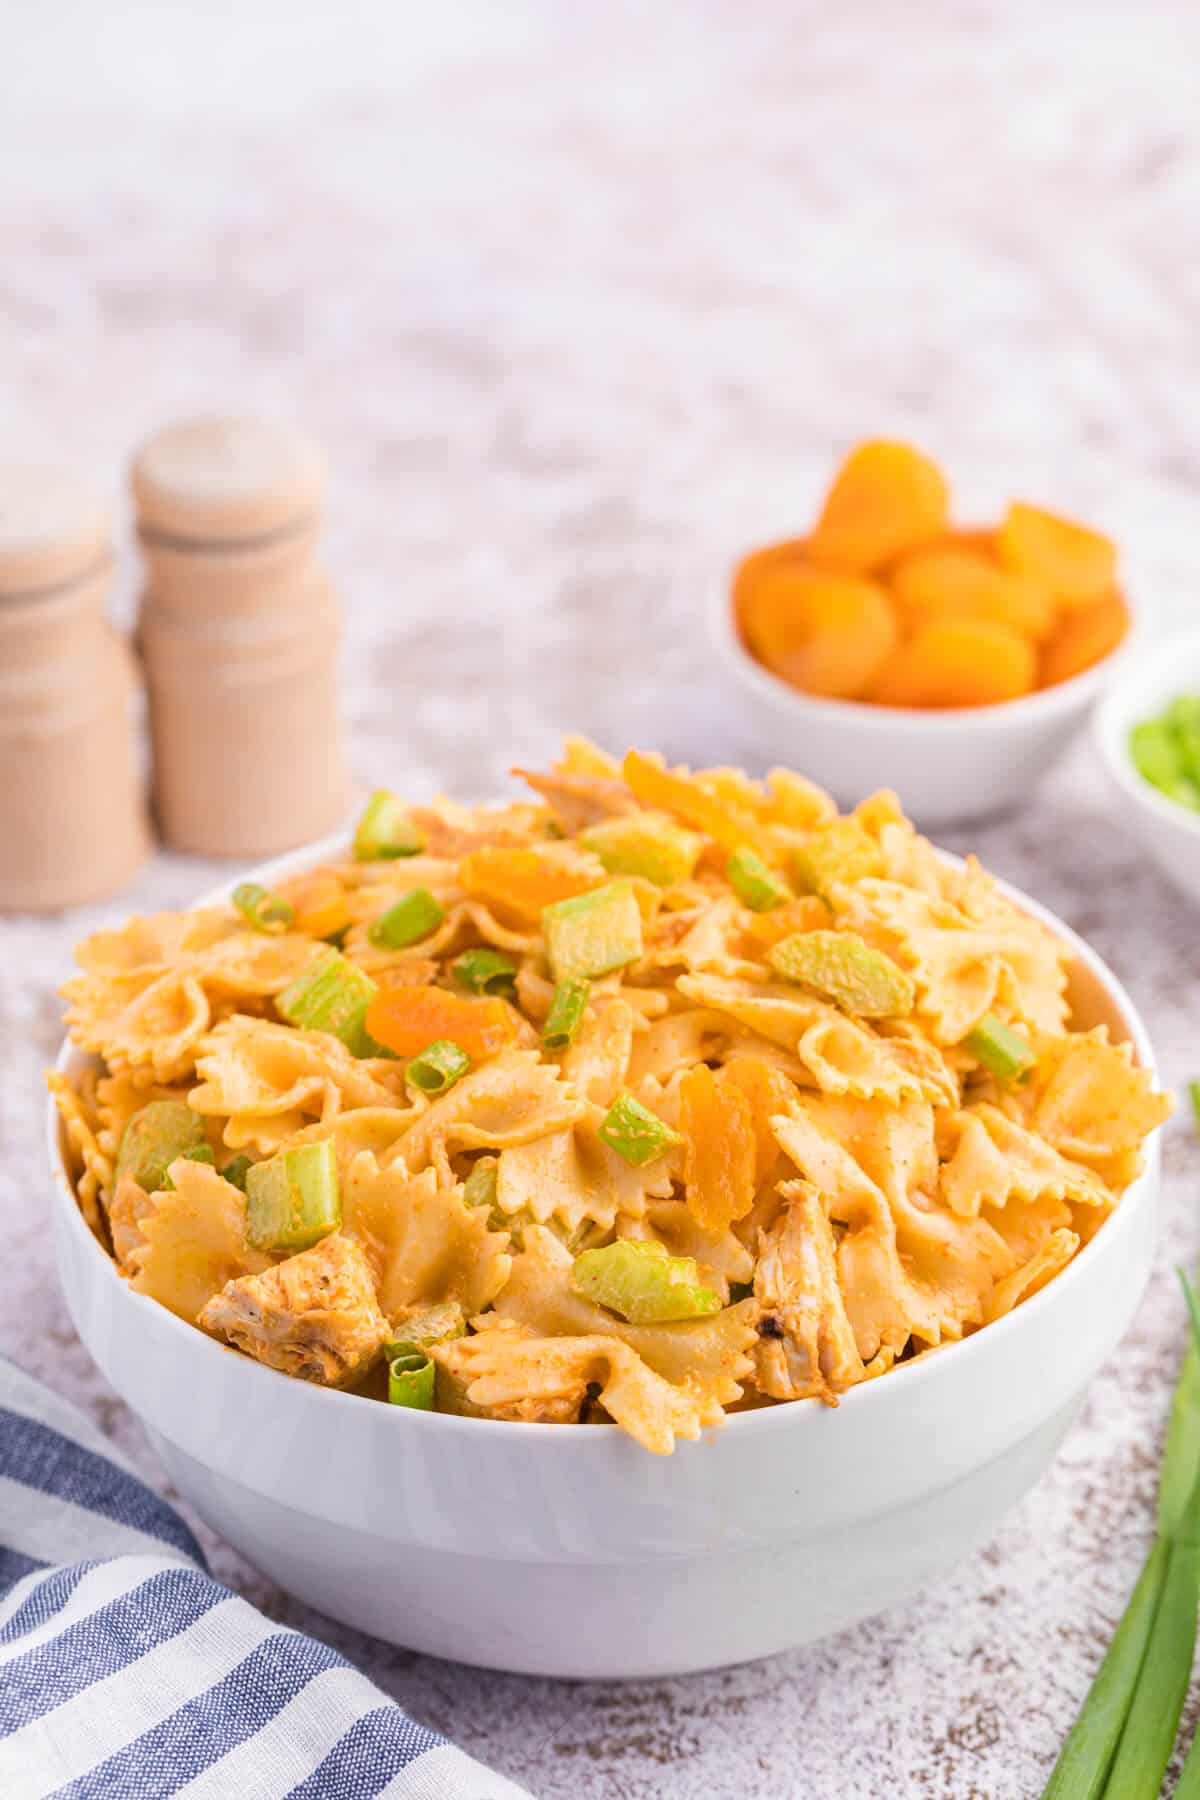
(578, 801)
(314, 1315)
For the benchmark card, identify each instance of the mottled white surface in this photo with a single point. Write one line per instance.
(580, 299)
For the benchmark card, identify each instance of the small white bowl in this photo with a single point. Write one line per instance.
(1170, 833)
(571, 1551)
(948, 767)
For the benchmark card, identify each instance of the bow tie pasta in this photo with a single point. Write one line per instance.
(664, 1095)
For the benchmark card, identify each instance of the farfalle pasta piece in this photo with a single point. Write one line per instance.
(130, 1204)
(806, 1346)
(711, 1355)
(193, 1242)
(314, 1315)
(545, 1379)
(1042, 1267)
(1090, 1100)
(510, 1100)
(579, 798)
(995, 1160)
(149, 1027)
(374, 1128)
(269, 1081)
(597, 1063)
(572, 1177)
(423, 1242)
(93, 1167)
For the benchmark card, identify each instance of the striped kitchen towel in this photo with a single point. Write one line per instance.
(127, 1672)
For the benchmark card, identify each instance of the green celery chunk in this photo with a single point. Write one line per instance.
(412, 1381)
(634, 1132)
(485, 972)
(154, 1137)
(479, 1189)
(642, 1283)
(566, 1014)
(385, 830)
(647, 844)
(756, 886)
(841, 852)
(333, 995)
(438, 1067)
(439, 1323)
(842, 967)
(593, 933)
(263, 910)
(999, 1048)
(1194, 1097)
(236, 1171)
(413, 917)
(293, 1199)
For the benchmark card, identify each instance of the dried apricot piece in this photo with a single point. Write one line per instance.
(829, 634)
(769, 1092)
(952, 582)
(720, 1149)
(749, 574)
(516, 884)
(958, 662)
(809, 913)
(680, 792)
(1086, 634)
(409, 1019)
(1078, 565)
(886, 498)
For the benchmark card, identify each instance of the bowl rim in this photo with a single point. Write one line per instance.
(1113, 719)
(919, 1368)
(1043, 703)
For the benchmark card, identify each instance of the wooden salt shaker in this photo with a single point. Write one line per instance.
(72, 820)
(240, 630)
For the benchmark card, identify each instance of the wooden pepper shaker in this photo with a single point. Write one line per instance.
(240, 629)
(72, 819)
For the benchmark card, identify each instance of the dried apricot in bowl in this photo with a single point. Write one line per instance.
(886, 498)
(958, 662)
(952, 582)
(1085, 636)
(1078, 565)
(829, 634)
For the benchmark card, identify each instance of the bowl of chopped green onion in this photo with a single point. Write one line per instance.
(1147, 733)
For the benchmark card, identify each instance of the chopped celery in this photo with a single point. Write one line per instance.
(485, 971)
(840, 852)
(235, 1172)
(332, 995)
(413, 917)
(634, 1132)
(1194, 1097)
(412, 1380)
(264, 910)
(438, 1067)
(479, 1189)
(425, 1325)
(385, 830)
(293, 1199)
(154, 1137)
(593, 933)
(999, 1048)
(757, 886)
(641, 1282)
(647, 844)
(566, 1014)
(843, 968)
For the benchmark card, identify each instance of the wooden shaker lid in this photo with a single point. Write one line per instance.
(52, 528)
(226, 480)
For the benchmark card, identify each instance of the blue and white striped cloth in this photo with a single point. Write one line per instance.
(128, 1673)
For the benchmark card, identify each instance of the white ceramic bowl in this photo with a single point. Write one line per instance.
(949, 767)
(559, 1550)
(1170, 833)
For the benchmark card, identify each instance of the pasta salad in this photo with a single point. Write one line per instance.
(657, 1095)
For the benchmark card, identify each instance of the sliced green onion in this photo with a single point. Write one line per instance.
(1194, 1097)
(593, 933)
(999, 1048)
(332, 994)
(413, 917)
(385, 830)
(647, 844)
(640, 1281)
(757, 886)
(479, 1189)
(566, 1013)
(235, 1172)
(634, 1132)
(485, 971)
(439, 1323)
(154, 1137)
(411, 1380)
(438, 1067)
(844, 968)
(262, 909)
(293, 1199)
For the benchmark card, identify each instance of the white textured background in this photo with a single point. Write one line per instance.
(581, 298)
